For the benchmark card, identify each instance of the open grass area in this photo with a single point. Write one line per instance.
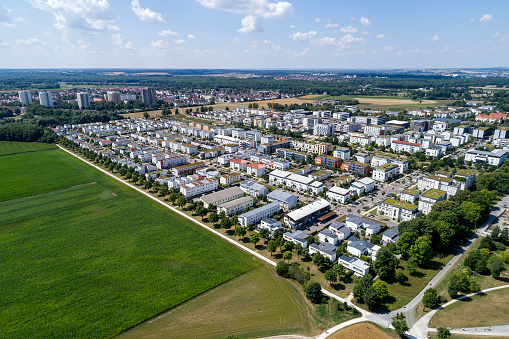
(247, 306)
(365, 330)
(14, 147)
(489, 309)
(96, 259)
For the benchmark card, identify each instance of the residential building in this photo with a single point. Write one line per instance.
(481, 132)
(253, 188)
(328, 161)
(187, 169)
(358, 248)
(385, 172)
(286, 200)
(325, 249)
(291, 154)
(429, 198)
(83, 100)
(375, 130)
(308, 213)
(255, 216)
(329, 236)
(405, 146)
(148, 96)
(462, 180)
(199, 187)
(46, 99)
(420, 125)
(339, 194)
(235, 207)
(395, 210)
(229, 178)
(362, 157)
(324, 129)
(342, 152)
(257, 170)
(493, 158)
(356, 167)
(312, 148)
(340, 230)
(298, 237)
(409, 195)
(238, 164)
(221, 197)
(113, 96)
(357, 266)
(25, 97)
(355, 223)
(501, 133)
(272, 162)
(268, 139)
(390, 236)
(270, 224)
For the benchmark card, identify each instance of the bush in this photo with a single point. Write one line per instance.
(430, 298)
(314, 293)
(282, 269)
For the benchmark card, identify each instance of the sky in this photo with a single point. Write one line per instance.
(254, 34)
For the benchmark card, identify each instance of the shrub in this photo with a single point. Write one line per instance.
(314, 293)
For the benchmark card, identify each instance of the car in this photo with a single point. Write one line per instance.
(388, 195)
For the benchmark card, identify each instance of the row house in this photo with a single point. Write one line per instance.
(199, 187)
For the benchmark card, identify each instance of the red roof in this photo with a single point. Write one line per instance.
(239, 161)
(406, 143)
(256, 166)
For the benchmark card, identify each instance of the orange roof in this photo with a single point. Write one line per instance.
(256, 166)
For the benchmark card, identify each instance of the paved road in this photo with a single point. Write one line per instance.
(498, 331)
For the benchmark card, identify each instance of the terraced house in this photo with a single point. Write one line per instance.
(398, 210)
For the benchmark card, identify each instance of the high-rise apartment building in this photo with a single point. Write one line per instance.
(46, 99)
(83, 100)
(113, 96)
(148, 96)
(25, 97)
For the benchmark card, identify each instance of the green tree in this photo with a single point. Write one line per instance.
(473, 212)
(430, 298)
(405, 241)
(298, 250)
(495, 265)
(225, 223)
(287, 256)
(264, 234)
(201, 211)
(385, 263)
(382, 288)
(445, 233)
(181, 202)
(271, 246)
(282, 269)
(411, 267)
(331, 276)
(340, 271)
(146, 115)
(400, 326)
(421, 251)
(240, 232)
(255, 238)
(314, 293)
(213, 217)
(250, 228)
(361, 287)
(443, 333)
(371, 298)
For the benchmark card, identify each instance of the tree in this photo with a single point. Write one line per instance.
(255, 238)
(371, 297)
(146, 115)
(472, 212)
(213, 217)
(382, 288)
(250, 228)
(240, 232)
(299, 250)
(385, 263)
(314, 293)
(282, 269)
(225, 223)
(331, 276)
(430, 298)
(201, 211)
(443, 333)
(495, 265)
(400, 326)
(340, 271)
(287, 256)
(445, 232)
(181, 202)
(421, 251)
(405, 241)
(264, 234)
(271, 246)
(361, 287)
(411, 267)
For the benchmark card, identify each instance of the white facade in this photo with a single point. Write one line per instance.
(339, 194)
(25, 97)
(46, 99)
(83, 100)
(199, 187)
(255, 216)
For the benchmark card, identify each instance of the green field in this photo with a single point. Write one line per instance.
(93, 260)
(13, 147)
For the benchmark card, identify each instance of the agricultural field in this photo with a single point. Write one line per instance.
(90, 257)
(365, 330)
(489, 309)
(14, 147)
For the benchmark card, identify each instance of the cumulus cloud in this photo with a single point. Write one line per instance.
(348, 29)
(159, 44)
(191, 36)
(250, 24)
(167, 32)
(380, 36)
(331, 26)
(292, 26)
(313, 38)
(388, 48)
(266, 41)
(88, 16)
(119, 41)
(317, 20)
(435, 38)
(302, 37)
(365, 21)
(29, 42)
(180, 42)
(348, 40)
(486, 18)
(145, 14)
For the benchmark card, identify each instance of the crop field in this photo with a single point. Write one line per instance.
(95, 259)
(250, 305)
(14, 147)
(365, 330)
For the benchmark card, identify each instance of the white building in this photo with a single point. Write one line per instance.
(255, 216)
(306, 214)
(385, 172)
(199, 187)
(236, 206)
(325, 249)
(342, 153)
(253, 188)
(405, 146)
(357, 266)
(493, 158)
(395, 210)
(257, 170)
(83, 100)
(339, 194)
(429, 198)
(25, 97)
(46, 99)
(324, 129)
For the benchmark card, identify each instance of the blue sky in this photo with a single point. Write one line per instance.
(253, 34)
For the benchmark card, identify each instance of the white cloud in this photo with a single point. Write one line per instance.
(261, 8)
(486, 18)
(119, 41)
(331, 26)
(191, 36)
(388, 48)
(472, 20)
(180, 42)
(348, 40)
(303, 37)
(435, 38)
(292, 26)
(496, 35)
(266, 41)
(348, 29)
(145, 14)
(313, 38)
(380, 36)
(19, 19)
(167, 32)
(159, 44)
(365, 21)
(88, 16)
(250, 24)
(29, 42)
(317, 20)
(5, 19)
(327, 41)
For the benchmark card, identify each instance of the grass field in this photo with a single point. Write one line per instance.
(490, 309)
(365, 330)
(14, 147)
(247, 306)
(93, 260)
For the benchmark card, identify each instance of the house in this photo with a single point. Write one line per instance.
(229, 178)
(342, 152)
(257, 170)
(199, 187)
(395, 209)
(308, 213)
(355, 223)
(358, 247)
(339, 194)
(329, 236)
(409, 195)
(390, 236)
(187, 169)
(326, 249)
(237, 164)
(221, 197)
(429, 198)
(405, 146)
(340, 229)
(297, 237)
(362, 157)
(255, 216)
(270, 224)
(286, 200)
(236, 206)
(385, 172)
(253, 188)
(357, 266)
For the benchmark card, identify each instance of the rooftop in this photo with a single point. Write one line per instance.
(434, 194)
(410, 191)
(399, 204)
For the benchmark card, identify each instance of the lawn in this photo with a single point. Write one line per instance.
(489, 309)
(247, 306)
(13, 147)
(364, 330)
(96, 259)
(31, 173)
